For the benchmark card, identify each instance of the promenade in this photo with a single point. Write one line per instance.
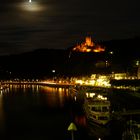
(50, 83)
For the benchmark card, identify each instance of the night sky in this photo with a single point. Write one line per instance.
(61, 24)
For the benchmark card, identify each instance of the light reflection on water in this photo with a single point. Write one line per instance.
(2, 117)
(34, 112)
(55, 97)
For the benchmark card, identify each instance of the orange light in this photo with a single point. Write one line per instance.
(88, 46)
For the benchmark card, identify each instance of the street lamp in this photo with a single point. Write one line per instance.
(53, 71)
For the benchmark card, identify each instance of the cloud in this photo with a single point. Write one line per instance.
(63, 23)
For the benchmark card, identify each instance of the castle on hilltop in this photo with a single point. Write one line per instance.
(89, 46)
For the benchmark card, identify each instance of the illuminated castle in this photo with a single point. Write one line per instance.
(88, 46)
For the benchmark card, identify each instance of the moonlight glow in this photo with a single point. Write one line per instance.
(31, 6)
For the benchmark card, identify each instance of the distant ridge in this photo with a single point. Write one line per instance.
(40, 63)
(124, 45)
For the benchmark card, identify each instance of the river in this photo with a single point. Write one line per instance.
(40, 113)
(44, 113)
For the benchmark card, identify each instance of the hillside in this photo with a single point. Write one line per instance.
(40, 63)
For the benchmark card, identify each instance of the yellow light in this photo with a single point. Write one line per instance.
(137, 63)
(111, 52)
(79, 82)
(101, 97)
(90, 95)
(92, 82)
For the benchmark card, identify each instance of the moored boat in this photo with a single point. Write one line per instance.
(97, 108)
(97, 112)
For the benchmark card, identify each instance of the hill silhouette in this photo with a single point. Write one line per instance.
(41, 62)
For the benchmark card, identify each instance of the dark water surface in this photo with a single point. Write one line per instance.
(44, 113)
(39, 113)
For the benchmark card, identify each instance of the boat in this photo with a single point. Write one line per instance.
(97, 113)
(97, 108)
(132, 131)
